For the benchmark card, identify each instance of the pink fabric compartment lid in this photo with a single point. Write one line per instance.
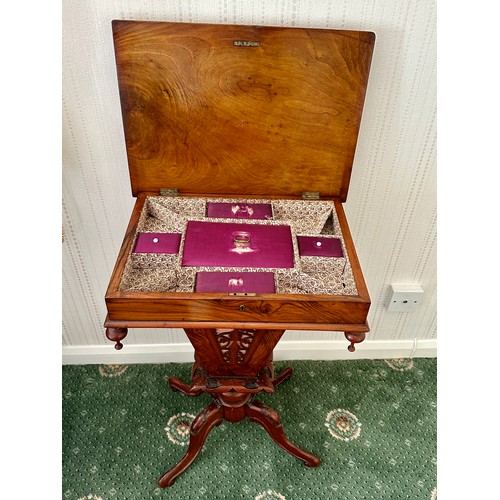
(157, 243)
(239, 210)
(222, 244)
(225, 281)
(316, 246)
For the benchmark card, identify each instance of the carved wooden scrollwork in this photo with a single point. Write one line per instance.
(225, 340)
(234, 344)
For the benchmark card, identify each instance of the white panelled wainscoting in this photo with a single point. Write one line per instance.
(391, 204)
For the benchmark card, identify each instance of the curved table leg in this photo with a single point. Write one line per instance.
(270, 420)
(177, 384)
(283, 376)
(210, 417)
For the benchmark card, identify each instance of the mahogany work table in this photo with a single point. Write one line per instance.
(257, 120)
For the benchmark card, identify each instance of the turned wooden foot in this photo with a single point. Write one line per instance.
(354, 338)
(270, 420)
(116, 335)
(210, 417)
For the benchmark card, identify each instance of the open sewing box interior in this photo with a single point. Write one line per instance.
(240, 144)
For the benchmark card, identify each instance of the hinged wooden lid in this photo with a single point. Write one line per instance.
(245, 110)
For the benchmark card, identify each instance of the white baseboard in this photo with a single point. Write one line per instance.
(285, 350)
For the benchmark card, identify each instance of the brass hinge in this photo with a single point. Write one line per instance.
(169, 192)
(310, 195)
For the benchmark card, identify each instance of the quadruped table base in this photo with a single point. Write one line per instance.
(233, 366)
(233, 406)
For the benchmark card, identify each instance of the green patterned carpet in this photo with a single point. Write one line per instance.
(372, 423)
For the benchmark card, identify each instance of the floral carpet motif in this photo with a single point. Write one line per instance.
(343, 425)
(372, 423)
(178, 428)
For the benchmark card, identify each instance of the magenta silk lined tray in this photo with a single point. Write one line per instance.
(236, 210)
(157, 243)
(235, 282)
(221, 244)
(316, 246)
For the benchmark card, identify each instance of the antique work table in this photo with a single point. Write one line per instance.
(237, 113)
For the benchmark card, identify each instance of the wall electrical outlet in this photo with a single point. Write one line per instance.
(404, 298)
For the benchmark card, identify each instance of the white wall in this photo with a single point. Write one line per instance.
(391, 204)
